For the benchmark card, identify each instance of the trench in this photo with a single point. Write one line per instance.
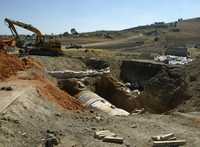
(162, 88)
(138, 73)
(134, 75)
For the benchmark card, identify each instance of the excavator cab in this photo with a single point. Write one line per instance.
(40, 46)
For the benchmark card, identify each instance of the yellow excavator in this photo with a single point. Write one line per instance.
(40, 45)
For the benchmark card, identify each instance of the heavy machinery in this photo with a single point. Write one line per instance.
(40, 46)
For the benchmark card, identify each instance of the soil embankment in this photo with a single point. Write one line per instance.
(31, 72)
(164, 86)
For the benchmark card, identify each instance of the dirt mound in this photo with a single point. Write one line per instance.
(29, 63)
(47, 89)
(9, 65)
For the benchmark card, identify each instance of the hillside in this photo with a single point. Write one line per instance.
(64, 100)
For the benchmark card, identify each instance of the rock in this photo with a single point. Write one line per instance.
(8, 88)
(98, 118)
(24, 134)
(127, 145)
(10, 119)
(139, 111)
(104, 133)
(134, 126)
(50, 142)
(93, 128)
(58, 114)
(51, 139)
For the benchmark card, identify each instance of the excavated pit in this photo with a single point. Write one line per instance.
(116, 93)
(96, 64)
(138, 72)
(162, 86)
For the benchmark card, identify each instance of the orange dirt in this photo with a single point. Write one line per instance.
(9, 65)
(5, 42)
(47, 89)
(29, 63)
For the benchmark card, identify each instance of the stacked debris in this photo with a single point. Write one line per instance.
(108, 136)
(66, 74)
(174, 60)
(167, 140)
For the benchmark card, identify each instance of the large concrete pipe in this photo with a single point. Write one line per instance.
(90, 99)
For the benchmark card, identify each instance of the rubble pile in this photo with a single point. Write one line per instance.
(108, 136)
(166, 140)
(173, 60)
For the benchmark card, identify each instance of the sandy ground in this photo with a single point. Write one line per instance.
(25, 123)
(26, 115)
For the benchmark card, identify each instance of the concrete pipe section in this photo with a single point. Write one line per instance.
(92, 100)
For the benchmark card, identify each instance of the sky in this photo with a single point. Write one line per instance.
(58, 16)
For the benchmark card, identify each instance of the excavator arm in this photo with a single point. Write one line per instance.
(41, 46)
(12, 23)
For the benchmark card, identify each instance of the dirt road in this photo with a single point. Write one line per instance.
(120, 42)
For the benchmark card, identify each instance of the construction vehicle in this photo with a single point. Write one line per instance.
(40, 46)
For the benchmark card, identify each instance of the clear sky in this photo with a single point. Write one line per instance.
(58, 16)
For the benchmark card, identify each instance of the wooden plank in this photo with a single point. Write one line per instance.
(163, 137)
(103, 134)
(169, 143)
(113, 139)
